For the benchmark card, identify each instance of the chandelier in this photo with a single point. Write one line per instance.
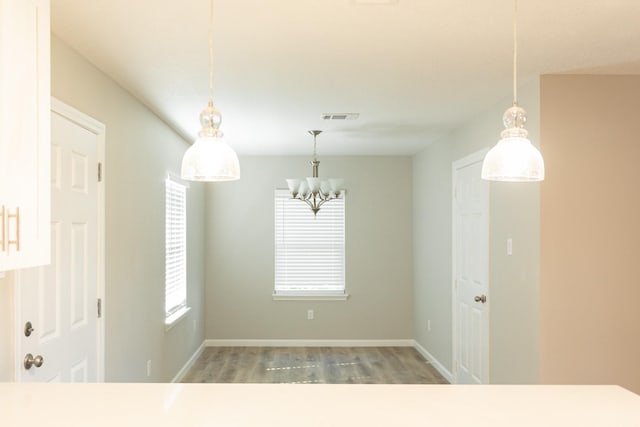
(314, 191)
(514, 158)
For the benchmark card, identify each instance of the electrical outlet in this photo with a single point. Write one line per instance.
(309, 314)
(148, 368)
(429, 325)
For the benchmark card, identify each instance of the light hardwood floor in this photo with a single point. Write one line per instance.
(305, 365)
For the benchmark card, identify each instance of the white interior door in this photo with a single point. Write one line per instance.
(61, 300)
(470, 272)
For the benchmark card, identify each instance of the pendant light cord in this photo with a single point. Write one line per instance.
(211, 52)
(515, 52)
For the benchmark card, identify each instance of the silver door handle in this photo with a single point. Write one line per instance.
(480, 298)
(30, 361)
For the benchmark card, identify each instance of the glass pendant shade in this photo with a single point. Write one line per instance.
(514, 158)
(314, 184)
(210, 158)
(293, 184)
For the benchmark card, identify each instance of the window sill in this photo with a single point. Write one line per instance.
(175, 318)
(310, 297)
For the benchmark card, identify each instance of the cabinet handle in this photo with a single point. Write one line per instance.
(2, 242)
(16, 241)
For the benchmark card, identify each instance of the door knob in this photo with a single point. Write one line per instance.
(480, 298)
(30, 361)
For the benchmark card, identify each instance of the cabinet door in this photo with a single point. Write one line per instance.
(25, 133)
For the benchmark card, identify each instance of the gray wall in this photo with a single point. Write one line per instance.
(514, 280)
(140, 150)
(240, 253)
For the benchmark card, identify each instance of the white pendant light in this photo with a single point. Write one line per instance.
(514, 158)
(210, 158)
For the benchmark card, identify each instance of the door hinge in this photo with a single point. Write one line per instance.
(99, 172)
(99, 308)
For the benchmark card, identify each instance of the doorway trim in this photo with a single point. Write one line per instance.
(456, 165)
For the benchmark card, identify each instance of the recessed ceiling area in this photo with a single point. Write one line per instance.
(412, 69)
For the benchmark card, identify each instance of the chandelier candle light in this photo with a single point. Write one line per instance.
(514, 158)
(315, 191)
(210, 158)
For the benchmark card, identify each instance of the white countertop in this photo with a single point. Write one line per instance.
(315, 405)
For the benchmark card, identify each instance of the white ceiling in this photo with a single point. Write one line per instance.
(413, 69)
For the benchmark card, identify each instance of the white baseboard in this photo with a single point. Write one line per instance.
(309, 343)
(434, 362)
(180, 375)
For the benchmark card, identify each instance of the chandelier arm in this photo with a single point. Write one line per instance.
(317, 205)
(308, 202)
(316, 200)
(322, 202)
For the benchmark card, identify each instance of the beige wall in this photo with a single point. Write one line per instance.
(590, 242)
(140, 150)
(514, 281)
(240, 253)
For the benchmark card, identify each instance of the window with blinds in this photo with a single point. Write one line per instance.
(309, 250)
(175, 249)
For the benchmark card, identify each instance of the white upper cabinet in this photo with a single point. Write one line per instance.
(25, 133)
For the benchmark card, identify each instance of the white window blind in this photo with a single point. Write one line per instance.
(176, 247)
(309, 250)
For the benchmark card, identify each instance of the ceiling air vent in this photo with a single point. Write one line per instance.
(340, 116)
